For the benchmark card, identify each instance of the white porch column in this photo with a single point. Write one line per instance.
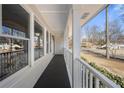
(65, 45)
(45, 46)
(76, 46)
(31, 42)
(65, 38)
(54, 44)
(49, 42)
(0, 18)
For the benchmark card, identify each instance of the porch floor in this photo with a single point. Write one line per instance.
(55, 75)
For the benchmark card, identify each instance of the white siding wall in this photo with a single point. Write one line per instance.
(28, 76)
(59, 45)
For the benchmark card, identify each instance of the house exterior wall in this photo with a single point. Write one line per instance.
(28, 76)
(59, 44)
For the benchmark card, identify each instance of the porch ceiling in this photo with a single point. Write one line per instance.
(89, 10)
(55, 15)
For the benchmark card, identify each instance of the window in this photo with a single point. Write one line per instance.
(13, 55)
(17, 24)
(38, 41)
(13, 48)
(53, 44)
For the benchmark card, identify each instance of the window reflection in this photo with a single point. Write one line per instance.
(53, 44)
(14, 50)
(6, 30)
(15, 21)
(9, 31)
(13, 55)
(38, 41)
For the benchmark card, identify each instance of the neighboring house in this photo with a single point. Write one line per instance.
(113, 46)
(121, 46)
(86, 44)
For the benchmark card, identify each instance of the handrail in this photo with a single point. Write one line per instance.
(68, 50)
(68, 60)
(85, 76)
(104, 79)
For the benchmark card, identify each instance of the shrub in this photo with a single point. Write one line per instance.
(84, 59)
(115, 78)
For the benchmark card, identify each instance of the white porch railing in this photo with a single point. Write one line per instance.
(90, 77)
(68, 60)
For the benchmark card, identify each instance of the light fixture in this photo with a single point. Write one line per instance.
(85, 15)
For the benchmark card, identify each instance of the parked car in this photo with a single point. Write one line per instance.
(112, 46)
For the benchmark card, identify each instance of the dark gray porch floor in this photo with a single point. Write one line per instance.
(55, 75)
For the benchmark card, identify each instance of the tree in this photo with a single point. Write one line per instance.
(95, 35)
(87, 33)
(121, 11)
(114, 31)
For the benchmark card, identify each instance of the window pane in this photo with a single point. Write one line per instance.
(38, 41)
(15, 23)
(53, 44)
(13, 56)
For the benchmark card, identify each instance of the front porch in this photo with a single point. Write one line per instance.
(49, 36)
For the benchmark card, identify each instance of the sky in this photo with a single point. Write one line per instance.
(114, 13)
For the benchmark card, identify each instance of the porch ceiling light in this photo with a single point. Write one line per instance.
(85, 15)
